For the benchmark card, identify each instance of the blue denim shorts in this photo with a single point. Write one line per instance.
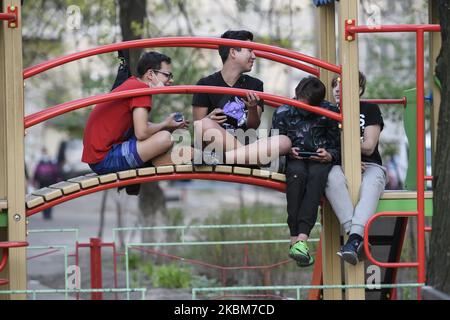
(121, 157)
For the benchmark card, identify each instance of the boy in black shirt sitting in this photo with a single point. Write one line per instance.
(353, 218)
(220, 116)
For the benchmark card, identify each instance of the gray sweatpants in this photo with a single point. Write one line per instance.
(353, 219)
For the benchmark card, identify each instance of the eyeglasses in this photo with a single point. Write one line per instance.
(169, 75)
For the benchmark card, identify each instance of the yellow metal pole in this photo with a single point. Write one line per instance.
(351, 148)
(12, 181)
(332, 274)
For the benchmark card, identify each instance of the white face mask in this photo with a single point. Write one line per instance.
(157, 85)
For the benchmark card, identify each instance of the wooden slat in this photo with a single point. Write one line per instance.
(128, 174)
(184, 168)
(261, 173)
(165, 169)
(150, 171)
(66, 187)
(278, 177)
(90, 175)
(85, 182)
(242, 171)
(49, 194)
(399, 194)
(203, 168)
(33, 201)
(107, 178)
(224, 169)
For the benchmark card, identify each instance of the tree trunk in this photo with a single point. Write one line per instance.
(439, 259)
(132, 15)
(152, 203)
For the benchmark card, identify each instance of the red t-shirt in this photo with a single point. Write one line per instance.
(110, 122)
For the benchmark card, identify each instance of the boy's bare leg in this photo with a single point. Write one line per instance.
(167, 158)
(260, 152)
(158, 144)
(211, 131)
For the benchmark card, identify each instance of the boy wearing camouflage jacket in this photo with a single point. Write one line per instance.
(315, 148)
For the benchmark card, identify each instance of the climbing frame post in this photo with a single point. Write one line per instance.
(12, 171)
(331, 230)
(351, 147)
(327, 42)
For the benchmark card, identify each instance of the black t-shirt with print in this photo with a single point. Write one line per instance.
(232, 105)
(370, 114)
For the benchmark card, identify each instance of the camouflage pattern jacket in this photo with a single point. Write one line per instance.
(309, 131)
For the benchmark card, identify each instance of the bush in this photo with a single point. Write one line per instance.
(258, 254)
(171, 277)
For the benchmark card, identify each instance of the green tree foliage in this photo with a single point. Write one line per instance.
(48, 35)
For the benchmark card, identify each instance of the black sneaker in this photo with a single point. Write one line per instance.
(361, 253)
(349, 251)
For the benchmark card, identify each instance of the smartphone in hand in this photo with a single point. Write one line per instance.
(178, 117)
(307, 154)
(230, 120)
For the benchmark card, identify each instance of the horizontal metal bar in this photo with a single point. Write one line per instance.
(212, 226)
(195, 291)
(394, 28)
(205, 243)
(7, 16)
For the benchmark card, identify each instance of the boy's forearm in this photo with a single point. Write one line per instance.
(151, 129)
(367, 148)
(254, 120)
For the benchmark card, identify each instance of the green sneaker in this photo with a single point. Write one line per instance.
(299, 251)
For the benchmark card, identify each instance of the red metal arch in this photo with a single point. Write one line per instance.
(60, 109)
(275, 53)
(265, 55)
(261, 182)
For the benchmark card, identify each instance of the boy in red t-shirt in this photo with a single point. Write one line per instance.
(118, 135)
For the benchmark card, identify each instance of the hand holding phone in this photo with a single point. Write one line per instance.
(308, 154)
(178, 117)
(323, 156)
(218, 116)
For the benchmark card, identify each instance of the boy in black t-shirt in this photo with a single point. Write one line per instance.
(354, 218)
(218, 116)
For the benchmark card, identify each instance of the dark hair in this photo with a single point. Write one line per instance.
(312, 90)
(151, 60)
(362, 82)
(243, 35)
